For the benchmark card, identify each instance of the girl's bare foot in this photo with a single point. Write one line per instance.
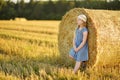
(74, 72)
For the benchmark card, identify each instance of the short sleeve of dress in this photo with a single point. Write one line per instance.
(85, 29)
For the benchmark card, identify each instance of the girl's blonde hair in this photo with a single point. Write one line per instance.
(84, 24)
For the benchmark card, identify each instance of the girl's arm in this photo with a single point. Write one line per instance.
(74, 46)
(85, 34)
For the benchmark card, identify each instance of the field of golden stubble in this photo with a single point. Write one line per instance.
(29, 51)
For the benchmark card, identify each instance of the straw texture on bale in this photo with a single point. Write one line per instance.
(103, 36)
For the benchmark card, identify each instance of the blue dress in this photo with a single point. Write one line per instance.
(82, 54)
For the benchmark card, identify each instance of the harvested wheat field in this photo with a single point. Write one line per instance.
(103, 38)
(29, 51)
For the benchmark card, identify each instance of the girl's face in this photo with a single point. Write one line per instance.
(79, 21)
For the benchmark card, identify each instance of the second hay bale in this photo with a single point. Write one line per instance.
(103, 38)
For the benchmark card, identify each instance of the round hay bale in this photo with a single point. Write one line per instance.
(20, 19)
(103, 37)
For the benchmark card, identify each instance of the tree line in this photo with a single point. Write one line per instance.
(49, 10)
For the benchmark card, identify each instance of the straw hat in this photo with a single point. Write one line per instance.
(82, 17)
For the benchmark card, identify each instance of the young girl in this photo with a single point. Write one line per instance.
(79, 51)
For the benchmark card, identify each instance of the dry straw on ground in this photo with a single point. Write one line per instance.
(103, 38)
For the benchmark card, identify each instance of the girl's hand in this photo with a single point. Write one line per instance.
(76, 49)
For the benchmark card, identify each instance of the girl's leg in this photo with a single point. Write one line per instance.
(83, 64)
(77, 66)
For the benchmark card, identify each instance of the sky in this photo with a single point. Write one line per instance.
(46, 0)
